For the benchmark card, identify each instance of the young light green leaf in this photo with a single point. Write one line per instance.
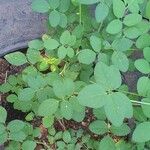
(98, 127)
(114, 27)
(120, 60)
(95, 43)
(40, 6)
(107, 143)
(86, 56)
(16, 58)
(132, 19)
(101, 12)
(92, 96)
(108, 76)
(139, 132)
(118, 8)
(51, 44)
(3, 114)
(142, 65)
(48, 107)
(54, 18)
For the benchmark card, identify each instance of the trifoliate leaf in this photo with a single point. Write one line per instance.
(54, 18)
(132, 19)
(139, 132)
(142, 65)
(3, 114)
(118, 8)
(98, 127)
(16, 58)
(40, 6)
(95, 43)
(120, 60)
(114, 27)
(48, 107)
(86, 56)
(101, 12)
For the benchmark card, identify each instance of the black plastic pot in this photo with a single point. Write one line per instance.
(18, 25)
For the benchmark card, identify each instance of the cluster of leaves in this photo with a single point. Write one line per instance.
(78, 65)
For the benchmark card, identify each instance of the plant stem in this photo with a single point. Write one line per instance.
(80, 14)
(100, 26)
(139, 102)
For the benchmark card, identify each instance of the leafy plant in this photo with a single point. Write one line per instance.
(78, 66)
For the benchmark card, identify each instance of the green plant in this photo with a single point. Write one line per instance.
(79, 66)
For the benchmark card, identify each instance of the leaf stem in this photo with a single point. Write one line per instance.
(100, 26)
(139, 102)
(126, 92)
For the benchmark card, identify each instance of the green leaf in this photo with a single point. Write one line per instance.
(62, 52)
(3, 114)
(143, 86)
(26, 145)
(63, 88)
(2, 129)
(143, 41)
(99, 113)
(132, 19)
(51, 44)
(63, 20)
(70, 52)
(146, 52)
(54, 18)
(120, 60)
(141, 132)
(123, 130)
(101, 12)
(86, 56)
(122, 44)
(132, 32)
(95, 43)
(12, 98)
(107, 143)
(54, 3)
(64, 5)
(92, 96)
(17, 136)
(114, 27)
(89, 2)
(16, 58)
(48, 107)
(26, 94)
(65, 37)
(98, 127)
(36, 45)
(15, 126)
(142, 65)
(41, 6)
(48, 121)
(66, 110)
(108, 76)
(3, 138)
(148, 10)
(118, 8)
(118, 107)
(146, 108)
(66, 137)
